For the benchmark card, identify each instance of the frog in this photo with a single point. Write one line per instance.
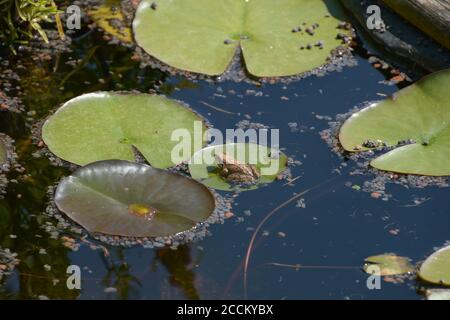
(234, 172)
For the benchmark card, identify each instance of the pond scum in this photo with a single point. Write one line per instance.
(11, 161)
(8, 261)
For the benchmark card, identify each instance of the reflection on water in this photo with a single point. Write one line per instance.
(179, 265)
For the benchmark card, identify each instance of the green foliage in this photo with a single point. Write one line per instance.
(20, 18)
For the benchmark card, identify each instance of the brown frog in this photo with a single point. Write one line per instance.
(235, 172)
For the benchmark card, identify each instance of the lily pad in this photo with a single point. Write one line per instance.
(389, 264)
(204, 166)
(124, 198)
(103, 125)
(419, 114)
(207, 34)
(438, 294)
(110, 18)
(436, 268)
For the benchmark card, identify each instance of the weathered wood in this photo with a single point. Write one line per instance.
(430, 16)
(400, 39)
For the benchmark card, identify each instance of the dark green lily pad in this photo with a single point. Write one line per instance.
(268, 162)
(207, 34)
(104, 125)
(390, 264)
(127, 199)
(419, 113)
(436, 268)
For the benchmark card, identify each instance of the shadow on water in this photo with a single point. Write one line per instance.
(336, 9)
(179, 265)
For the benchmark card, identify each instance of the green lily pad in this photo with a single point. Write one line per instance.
(204, 166)
(438, 294)
(101, 126)
(389, 264)
(436, 268)
(124, 198)
(420, 112)
(110, 18)
(207, 34)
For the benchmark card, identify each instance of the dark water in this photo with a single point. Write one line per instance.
(334, 233)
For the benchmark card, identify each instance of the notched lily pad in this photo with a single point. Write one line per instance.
(110, 18)
(237, 166)
(436, 268)
(388, 264)
(106, 125)
(127, 199)
(279, 39)
(415, 122)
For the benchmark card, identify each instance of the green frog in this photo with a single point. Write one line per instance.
(233, 171)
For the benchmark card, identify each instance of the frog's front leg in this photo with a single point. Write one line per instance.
(255, 171)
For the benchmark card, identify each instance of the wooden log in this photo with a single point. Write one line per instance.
(401, 40)
(430, 16)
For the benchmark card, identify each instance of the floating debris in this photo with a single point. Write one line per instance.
(8, 261)
(310, 31)
(320, 44)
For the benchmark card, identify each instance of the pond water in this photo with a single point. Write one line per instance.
(338, 227)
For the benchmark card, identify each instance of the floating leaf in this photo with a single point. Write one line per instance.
(123, 198)
(102, 126)
(436, 268)
(421, 113)
(207, 34)
(110, 18)
(389, 264)
(438, 294)
(205, 166)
